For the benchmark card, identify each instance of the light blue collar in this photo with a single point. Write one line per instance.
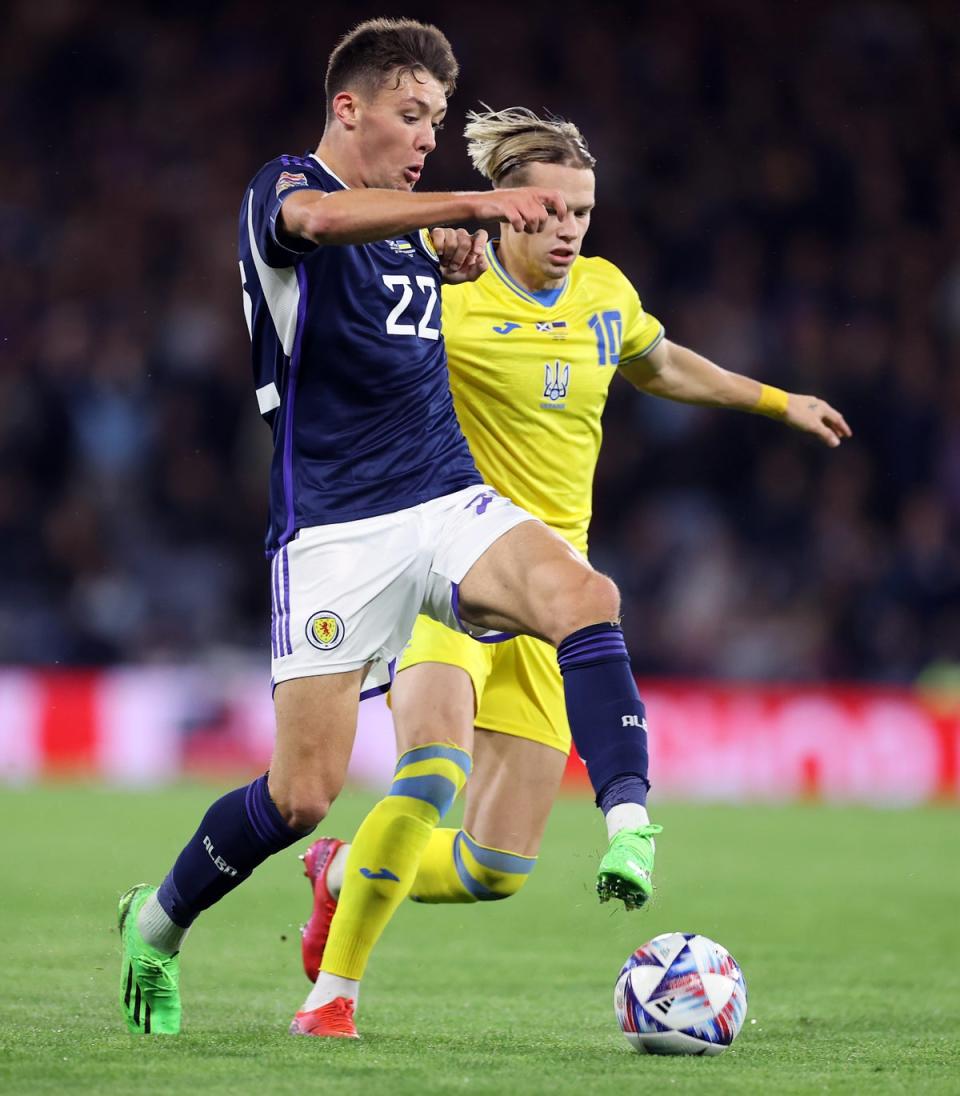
(546, 298)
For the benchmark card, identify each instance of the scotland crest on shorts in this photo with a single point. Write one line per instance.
(325, 630)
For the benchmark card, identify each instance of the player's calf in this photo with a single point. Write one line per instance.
(382, 864)
(609, 727)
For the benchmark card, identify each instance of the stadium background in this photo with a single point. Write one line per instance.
(780, 183)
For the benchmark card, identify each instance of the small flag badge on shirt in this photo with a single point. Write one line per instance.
(290, 179)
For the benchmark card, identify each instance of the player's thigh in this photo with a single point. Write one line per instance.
(316, 723)
(511, 792)
(345, 598)
(441, 675)
(522, 751)
(532, 581)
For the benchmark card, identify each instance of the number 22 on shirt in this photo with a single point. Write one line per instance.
(402, 284)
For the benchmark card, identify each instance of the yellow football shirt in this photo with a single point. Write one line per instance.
(530, 381)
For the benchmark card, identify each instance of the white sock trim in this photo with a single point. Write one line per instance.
(337, 867)
(626, 816)
(157, 929)
(329, 986)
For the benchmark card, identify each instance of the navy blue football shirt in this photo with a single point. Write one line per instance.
(349, 365)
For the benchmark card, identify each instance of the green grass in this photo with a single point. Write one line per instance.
(844, 921)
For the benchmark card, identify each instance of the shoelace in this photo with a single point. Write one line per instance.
(157, 970)
(338, 1014)
(342, 1006)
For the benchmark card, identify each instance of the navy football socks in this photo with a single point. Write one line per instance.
(607, 717)
(236, 835)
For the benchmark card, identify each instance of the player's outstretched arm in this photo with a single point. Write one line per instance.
(365, 215)
(678, 373)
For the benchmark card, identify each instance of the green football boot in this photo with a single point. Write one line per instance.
(149, 980)
(626, 871)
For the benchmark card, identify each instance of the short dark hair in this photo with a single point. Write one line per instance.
(366, 56)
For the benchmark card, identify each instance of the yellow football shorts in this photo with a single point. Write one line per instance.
(517, 682)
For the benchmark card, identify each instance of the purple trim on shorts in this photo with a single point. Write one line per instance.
(291, 394)
(278, 607)
(379, 690)
(497, 637)
(273, 616)
(286, 602)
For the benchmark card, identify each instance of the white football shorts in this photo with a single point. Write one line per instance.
(347, 594)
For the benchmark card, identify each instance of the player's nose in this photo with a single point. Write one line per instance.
(426, 139)
(568, 228)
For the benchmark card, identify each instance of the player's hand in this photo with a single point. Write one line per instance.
(524, 208)
(461, 254)
(816, 416)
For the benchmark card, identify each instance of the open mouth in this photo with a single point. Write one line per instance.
(412, 174)
(562, 256)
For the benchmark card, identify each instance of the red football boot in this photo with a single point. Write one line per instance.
(333, 1020)
(313, 936)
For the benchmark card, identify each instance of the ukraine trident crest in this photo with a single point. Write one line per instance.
(555, 381)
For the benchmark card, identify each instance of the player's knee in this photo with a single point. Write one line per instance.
(592, 599)
(301, 809)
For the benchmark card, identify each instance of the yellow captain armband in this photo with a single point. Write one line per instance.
(772, 402)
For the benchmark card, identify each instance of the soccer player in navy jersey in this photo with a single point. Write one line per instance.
(377, 513)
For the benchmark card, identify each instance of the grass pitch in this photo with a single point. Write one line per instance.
(844, 921)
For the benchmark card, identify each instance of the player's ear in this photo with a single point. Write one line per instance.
(346, 108)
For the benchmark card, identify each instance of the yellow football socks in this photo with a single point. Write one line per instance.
(455, 868)
(386, 852)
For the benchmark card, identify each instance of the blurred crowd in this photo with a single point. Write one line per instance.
(780, 182)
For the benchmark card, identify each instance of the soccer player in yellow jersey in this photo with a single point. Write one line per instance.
(533, 346)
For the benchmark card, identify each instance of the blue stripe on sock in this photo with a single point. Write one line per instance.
(437, 790)
(478, 890)
(499, 861)
(595, 643)
(432, 753)
(608, 652)
(589, 646)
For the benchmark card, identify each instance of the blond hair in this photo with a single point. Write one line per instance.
(502, 142)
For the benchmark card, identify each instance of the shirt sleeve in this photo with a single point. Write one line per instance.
(641, 331)
(269, 190)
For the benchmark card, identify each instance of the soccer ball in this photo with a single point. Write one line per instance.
(680, 994)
